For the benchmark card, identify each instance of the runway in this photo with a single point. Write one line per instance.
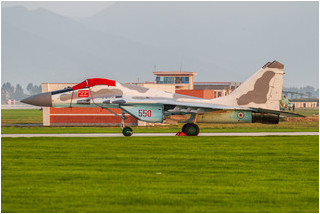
(164, 134)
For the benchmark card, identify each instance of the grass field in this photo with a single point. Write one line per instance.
(161, 174)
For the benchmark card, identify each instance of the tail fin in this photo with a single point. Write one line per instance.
(261, 90)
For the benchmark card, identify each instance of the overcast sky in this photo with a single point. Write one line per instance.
(221, 34)
(65, 8)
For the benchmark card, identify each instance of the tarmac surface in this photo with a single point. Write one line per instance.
(164, 134)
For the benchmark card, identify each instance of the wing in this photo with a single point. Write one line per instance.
(180, 107)
(176, 107)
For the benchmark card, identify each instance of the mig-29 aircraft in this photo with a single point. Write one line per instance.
(254, 101)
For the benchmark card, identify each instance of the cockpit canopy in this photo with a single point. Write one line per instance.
(94, 81)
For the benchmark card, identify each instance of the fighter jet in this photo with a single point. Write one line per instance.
(254, 101)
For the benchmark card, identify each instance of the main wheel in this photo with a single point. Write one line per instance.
(184, 127)
(191, 129)
(127, 131)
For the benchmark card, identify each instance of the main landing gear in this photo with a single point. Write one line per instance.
(191, 129)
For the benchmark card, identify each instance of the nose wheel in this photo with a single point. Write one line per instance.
(127, 131)
(191, 129)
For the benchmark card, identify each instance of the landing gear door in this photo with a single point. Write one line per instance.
(146, 113)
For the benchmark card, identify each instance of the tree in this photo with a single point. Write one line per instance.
(30, 88)
(3, 94)
(37, 89)
(308, 91)
(19, 94)
(33, 89)
(7, 90)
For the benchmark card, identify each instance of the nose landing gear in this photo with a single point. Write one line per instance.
(127, 131)
(191, 129)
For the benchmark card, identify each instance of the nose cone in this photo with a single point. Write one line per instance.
(43, 99)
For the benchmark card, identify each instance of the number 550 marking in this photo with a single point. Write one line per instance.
(144, 113)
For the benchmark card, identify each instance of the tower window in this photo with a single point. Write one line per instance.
(183, 80)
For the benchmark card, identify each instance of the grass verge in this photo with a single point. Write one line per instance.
(18, 116)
